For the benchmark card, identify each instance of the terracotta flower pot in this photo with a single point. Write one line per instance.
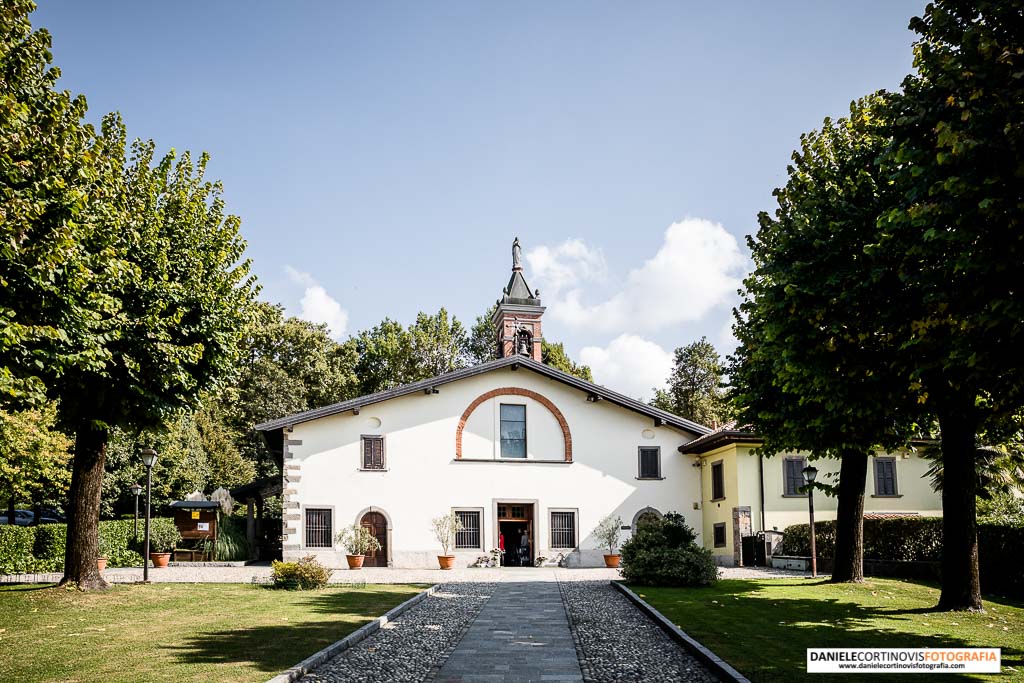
(611, 561)
(446, 561)
(160, 559)
(355, 561)
(101, 562)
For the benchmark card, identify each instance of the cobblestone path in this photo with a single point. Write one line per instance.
(408, 649)
(517, 632)
(617, 642)
(520, 636)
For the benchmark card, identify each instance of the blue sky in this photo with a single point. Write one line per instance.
(382, 156)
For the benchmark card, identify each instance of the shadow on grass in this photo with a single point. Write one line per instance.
(766, 637)
(275, 647)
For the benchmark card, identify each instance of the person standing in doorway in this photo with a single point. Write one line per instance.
(524, 548)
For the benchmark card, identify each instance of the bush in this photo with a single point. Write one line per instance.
(48, 549)
(919, 539)
(232, 544)
(41, 548)
(664, 553)
(16, 549)
(306, 574)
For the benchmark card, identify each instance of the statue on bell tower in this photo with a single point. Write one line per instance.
(517, 316)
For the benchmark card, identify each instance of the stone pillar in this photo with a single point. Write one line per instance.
(741, 526)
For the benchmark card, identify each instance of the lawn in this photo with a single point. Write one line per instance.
(176, 632)
(764, 627)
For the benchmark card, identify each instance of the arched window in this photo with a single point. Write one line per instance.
(645, 516)
(524, 343)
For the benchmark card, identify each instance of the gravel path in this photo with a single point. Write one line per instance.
(414, 646)
(616, 642)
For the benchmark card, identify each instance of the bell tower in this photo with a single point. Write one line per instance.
(517, 317)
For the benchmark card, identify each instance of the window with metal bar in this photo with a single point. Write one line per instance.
(563, 530)
(513, 430)
(373, 452)
(469, 536)
(650, 462)
(318, 528)
(793, 471)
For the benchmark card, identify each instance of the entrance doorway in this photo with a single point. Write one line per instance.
(515, 529)
(377, 525)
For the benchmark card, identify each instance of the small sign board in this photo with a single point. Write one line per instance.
(203, 526)
(195, 514)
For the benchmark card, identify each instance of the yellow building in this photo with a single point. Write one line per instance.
(742, 493)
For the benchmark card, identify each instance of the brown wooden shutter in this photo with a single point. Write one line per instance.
(373, 454)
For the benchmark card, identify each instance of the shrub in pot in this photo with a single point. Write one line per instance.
(608, 532)
(162, 539)
(665, 553)
(445, 528)
(357, 541)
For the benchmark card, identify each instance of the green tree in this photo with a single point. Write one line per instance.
(958, 163)
(47, 179)
(482, 344)
(173, 265)
(695, 386)
(33, 457)
(810, 369)
(438, 345)
(385, 357)
(553, 354)
(287, 365)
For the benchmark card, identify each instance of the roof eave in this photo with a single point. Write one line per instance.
(666, 418)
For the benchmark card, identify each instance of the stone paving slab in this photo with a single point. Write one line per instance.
(520, 636)
(260, 573)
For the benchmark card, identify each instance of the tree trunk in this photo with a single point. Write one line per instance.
(848, 563)
(82, 546)
(961, 584)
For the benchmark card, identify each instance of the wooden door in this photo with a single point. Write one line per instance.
(378, 526)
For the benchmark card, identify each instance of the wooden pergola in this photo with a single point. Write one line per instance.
(253, 495)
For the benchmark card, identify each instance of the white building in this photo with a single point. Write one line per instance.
(512, 445)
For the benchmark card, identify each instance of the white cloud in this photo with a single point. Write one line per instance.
(630, 365)
(566, 265)
(317, 305)
(698, 268)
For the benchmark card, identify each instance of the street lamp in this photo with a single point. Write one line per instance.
(136, 490)
(810, 474)
(148, 459)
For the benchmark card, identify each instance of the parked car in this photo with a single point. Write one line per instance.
(27, 517)
(21, 518)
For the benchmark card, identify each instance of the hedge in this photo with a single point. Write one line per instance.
(25, 549)
(919, 539)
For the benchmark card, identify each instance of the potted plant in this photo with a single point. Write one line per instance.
(102, 553)
(162, 539)
(608, 532)
(357, 541)
(445, 529)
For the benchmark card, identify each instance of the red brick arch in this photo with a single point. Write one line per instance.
(514, 391)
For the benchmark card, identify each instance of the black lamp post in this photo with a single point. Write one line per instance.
(148, 459)
(810, 474)
(136, 490)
